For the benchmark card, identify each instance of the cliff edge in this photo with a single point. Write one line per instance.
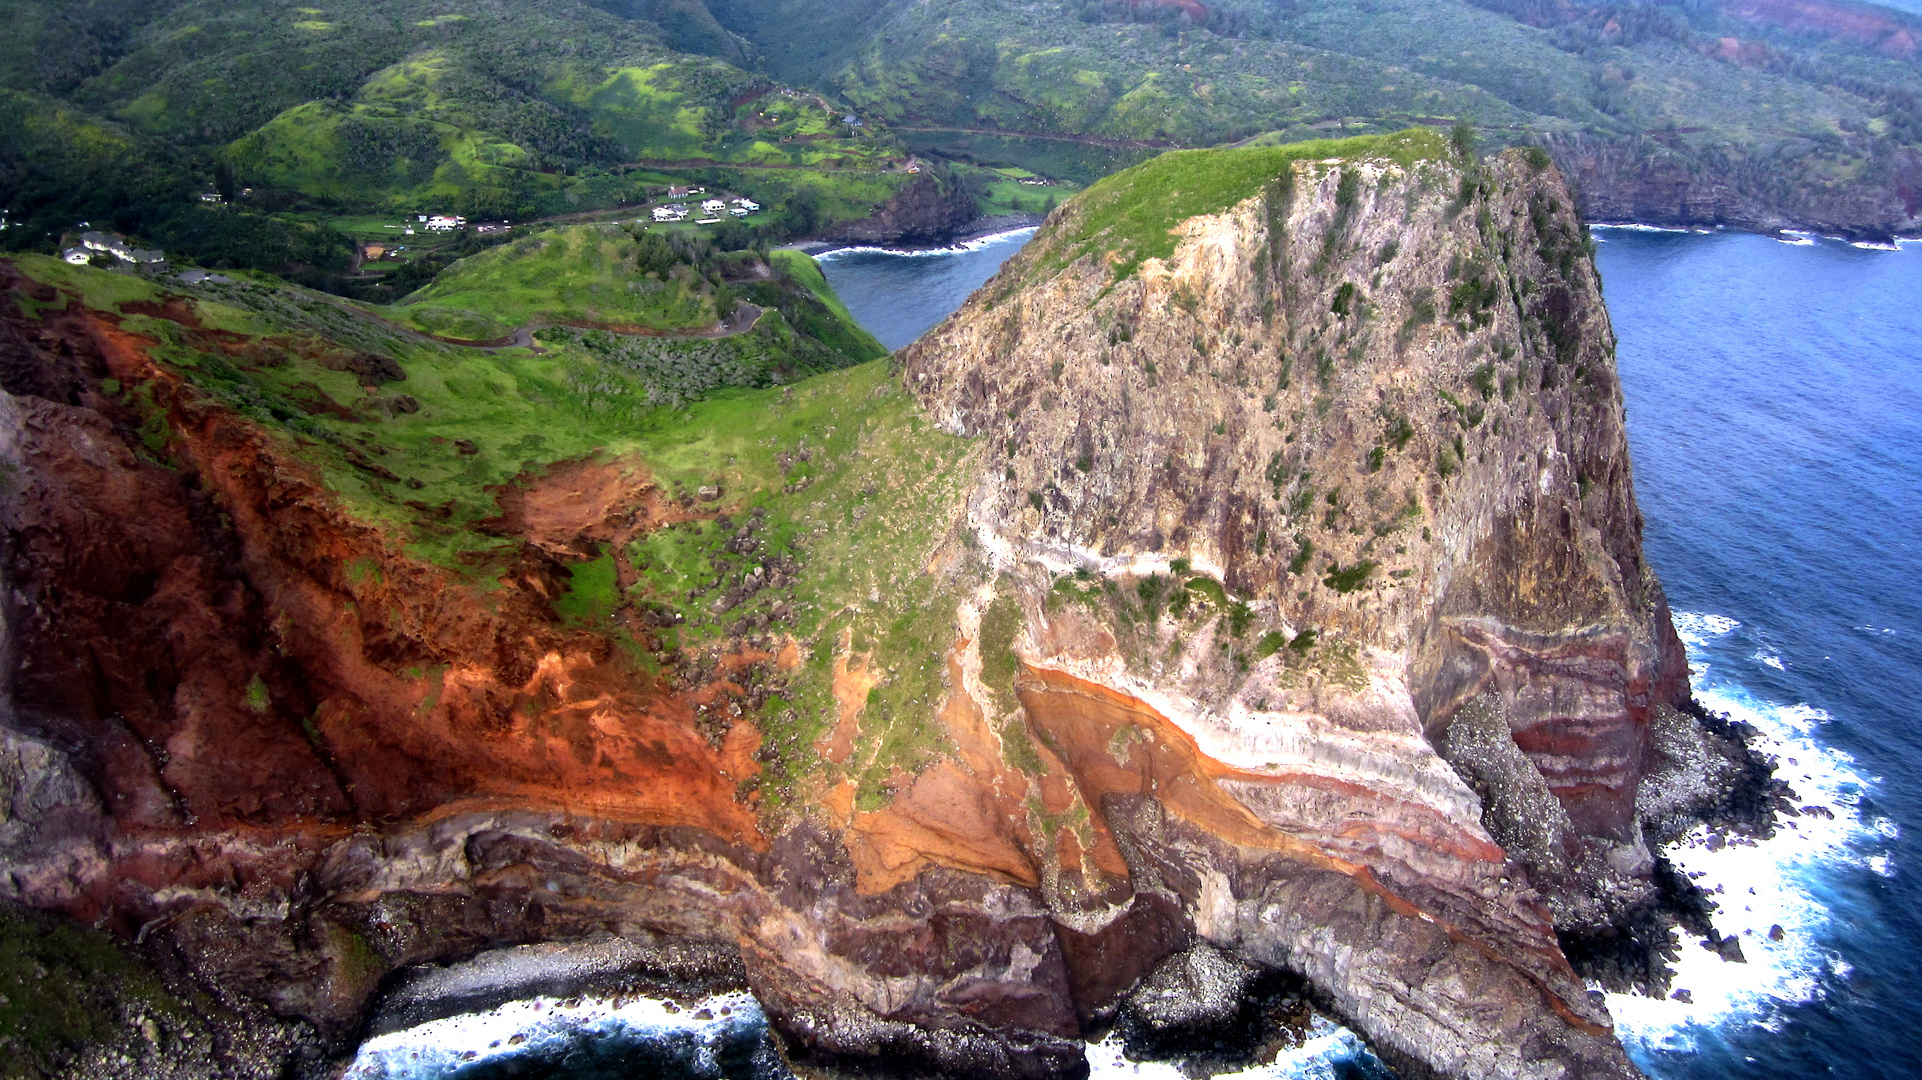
(1245, 585)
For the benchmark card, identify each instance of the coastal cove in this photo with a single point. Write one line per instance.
(1776, 426)
(1086, 540)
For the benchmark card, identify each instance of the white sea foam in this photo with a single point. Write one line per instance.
(1767, 659)
(1642, 227)
(1798, 239)
(1637, 227)
(975, 244)
(1695, 629)
(1760, 885)
(1869, 245)
(1321, 1056)
(439, 1047)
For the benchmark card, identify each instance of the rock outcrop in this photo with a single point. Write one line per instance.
(927, 211)
(1651, 181)
(1276, 590)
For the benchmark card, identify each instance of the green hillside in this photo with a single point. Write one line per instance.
(588, 274)
(1785, 103)
(378, 410)
(304, 114)
(311, 122)
(844, 477)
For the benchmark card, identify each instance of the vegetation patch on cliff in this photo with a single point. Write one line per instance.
(1131, 216)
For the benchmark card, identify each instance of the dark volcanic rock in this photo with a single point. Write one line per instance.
(1644, 181)
(927, 211)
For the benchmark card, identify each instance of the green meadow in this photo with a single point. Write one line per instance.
(837, 464)
(576, 274)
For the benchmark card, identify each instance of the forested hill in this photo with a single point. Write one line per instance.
(129, 112)
(305, 119)
(1757, 113)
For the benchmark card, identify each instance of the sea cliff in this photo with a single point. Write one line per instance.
(1245, 584)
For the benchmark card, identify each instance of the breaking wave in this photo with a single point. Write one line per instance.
(1771, 895)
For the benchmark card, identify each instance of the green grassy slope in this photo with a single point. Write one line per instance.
(518, 408)
(578, 274)
(837, 464)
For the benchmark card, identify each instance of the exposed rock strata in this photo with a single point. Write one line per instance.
(1384, 728)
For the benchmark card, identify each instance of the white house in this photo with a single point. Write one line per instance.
(77, 255)
(748, 205)
(713, 206)
(118, 247)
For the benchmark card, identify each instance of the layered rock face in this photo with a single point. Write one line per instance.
(1289, 616)
(1374, 410)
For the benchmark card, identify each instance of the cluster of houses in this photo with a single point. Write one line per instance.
(445, 223)
(711, 209)
(100, 243)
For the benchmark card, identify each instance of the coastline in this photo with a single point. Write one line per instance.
(982, 228)
(1800, 237)
(994, 227)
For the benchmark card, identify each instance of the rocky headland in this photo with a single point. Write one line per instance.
(1245, 585)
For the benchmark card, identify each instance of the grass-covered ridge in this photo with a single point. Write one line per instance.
(847, 484)
(420, 453)
(1130, 217)
(594, 274)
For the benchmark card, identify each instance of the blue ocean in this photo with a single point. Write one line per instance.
(1774, 393)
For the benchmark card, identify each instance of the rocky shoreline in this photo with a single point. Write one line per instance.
(1202, 1009)
(1274, 593)
(979, 228)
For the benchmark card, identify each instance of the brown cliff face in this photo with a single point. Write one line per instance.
(1394, 428)
(1371, 440)
(1289, 615)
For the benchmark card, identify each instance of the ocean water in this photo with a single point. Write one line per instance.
(1774, 394)
(900, 295)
